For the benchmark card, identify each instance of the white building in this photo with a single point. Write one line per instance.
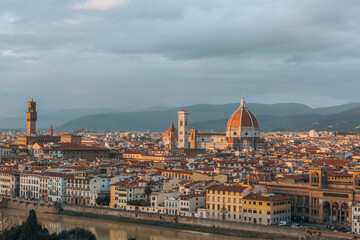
(188, 204)
(56, 188)
(99, 185)
(29, 186)
(171, 206)
(313, 134)
(355, 228)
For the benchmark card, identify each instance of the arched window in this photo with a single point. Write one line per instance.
(315, 178)
(357, 182)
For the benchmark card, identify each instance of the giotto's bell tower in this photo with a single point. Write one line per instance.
(183, 129)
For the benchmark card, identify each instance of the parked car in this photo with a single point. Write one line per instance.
(283, 223)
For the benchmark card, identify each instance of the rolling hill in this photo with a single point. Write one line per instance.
(205, 117)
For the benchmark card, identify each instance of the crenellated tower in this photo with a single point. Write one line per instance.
(31, 117)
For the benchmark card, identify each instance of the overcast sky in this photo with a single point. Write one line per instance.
(131, 54)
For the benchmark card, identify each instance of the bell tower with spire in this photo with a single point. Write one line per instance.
(51, 133)
(31, 117)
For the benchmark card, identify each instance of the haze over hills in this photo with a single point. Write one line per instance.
(282, 116)
(45, 118)
(344, 121)
(205, 117)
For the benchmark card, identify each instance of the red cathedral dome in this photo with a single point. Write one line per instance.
(242, 117)
(172, 130)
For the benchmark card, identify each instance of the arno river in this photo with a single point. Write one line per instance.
(105, 229)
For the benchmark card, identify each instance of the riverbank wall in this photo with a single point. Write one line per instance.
(22, 204)
(153, 218)
(191, 223)
(203, 222)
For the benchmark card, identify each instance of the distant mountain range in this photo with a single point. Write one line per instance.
(348, 120)
(206, 117)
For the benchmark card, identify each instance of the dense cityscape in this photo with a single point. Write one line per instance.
(177, 120)
(307, 180)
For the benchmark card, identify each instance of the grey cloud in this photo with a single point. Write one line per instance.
(161, 52)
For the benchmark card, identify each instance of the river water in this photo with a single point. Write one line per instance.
(106, 229)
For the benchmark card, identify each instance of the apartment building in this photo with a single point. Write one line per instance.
(225, 202)
(30, 186)
(78, 190)
(266, 209)
(188, 204)
(56, 187)
(9, 183)
(122, 193)
(43, 188)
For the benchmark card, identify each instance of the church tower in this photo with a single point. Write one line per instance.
(51, 133)
(31, 117)
(183, 129)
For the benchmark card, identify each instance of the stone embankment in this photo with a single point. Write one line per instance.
(16, 203)
(154, 218)
(203, 222)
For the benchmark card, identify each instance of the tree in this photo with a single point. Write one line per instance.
(103, 201)
(138, 203)
(74, 234)
(148, 192)
(32, 230)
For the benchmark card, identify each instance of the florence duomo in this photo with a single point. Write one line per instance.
(179, 120)
(242, 133)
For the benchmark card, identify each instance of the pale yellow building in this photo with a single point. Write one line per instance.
(225, 202)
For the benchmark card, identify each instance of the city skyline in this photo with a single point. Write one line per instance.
(221, 119)
(130, 55)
